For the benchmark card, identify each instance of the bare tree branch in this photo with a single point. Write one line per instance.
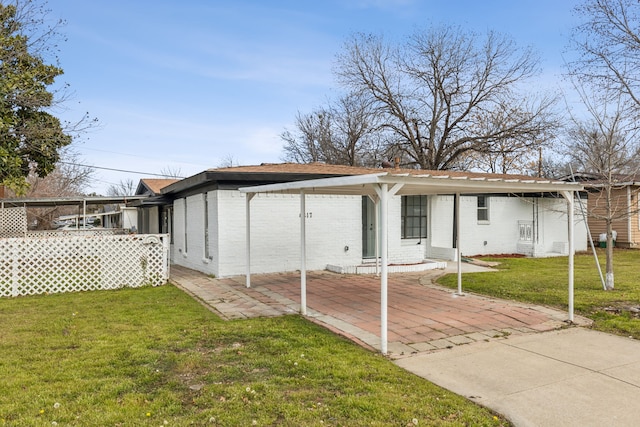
(431, 92)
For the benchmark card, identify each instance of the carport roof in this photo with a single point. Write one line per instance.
(420, 183)
(381, 185)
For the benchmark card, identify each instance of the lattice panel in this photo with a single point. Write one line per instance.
(58, 233)
(30, 266)
(13, 220)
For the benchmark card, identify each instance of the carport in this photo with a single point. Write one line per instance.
(381, 187)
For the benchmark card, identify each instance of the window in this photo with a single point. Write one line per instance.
(414, 217)
(483, 208)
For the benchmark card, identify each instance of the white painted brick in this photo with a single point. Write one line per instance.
(335, 222)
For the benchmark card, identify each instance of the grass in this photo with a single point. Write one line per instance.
(154, 356)
(544, 281)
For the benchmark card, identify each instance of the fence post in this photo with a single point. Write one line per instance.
(166, 259)
(15, 267)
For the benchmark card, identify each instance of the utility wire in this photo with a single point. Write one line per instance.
(119, 170)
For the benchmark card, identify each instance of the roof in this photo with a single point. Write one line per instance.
(323, 168)
(272, 173)
(152, 186)
(66, 201)
(593, 180)
(420, 183)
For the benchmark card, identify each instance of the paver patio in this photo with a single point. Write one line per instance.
(421, 316)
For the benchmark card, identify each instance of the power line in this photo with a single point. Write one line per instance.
(119, 170)
(80, 148)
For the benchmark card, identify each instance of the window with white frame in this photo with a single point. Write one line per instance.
(483, 208)
(414, 217)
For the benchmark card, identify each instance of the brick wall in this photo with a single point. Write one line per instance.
(334, 231)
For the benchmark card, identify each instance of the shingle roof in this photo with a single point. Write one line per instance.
(156, 184)
(327, 169)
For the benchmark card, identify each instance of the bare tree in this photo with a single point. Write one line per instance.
(228, 161)
(609, 45)
(68, 179)
(171, 172)
(311, 141)
(509, 154)
(344, 132)
(431, 92)
(126, 187)
(556, 166)
(606, 146)
(607, 77)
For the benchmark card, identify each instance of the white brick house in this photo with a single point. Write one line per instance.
(207, 222)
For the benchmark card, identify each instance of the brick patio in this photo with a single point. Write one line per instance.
(421, 316)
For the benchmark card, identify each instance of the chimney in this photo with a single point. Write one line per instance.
(1, 191)
(396, 162)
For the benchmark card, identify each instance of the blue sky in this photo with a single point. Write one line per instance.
(186, 84)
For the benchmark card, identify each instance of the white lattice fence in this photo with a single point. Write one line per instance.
(30, 266)
(60, 233)
(13, 220)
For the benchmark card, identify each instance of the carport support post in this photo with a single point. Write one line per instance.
(571, 252)
(458, 251)
(568, 195)
(247, 231)
(384, 207)
(376, 202)
(303, 255)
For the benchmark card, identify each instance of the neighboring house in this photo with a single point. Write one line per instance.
(625, 205)
(154, 212)
(205, 215)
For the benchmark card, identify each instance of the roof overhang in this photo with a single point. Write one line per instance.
(68, 201)
(417, 184)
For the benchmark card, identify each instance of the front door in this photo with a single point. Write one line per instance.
(368, 228)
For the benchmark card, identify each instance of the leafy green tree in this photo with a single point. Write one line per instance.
(30, 137)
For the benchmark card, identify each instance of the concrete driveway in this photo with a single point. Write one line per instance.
(571, 377)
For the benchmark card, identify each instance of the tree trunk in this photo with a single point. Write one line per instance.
(609, 283)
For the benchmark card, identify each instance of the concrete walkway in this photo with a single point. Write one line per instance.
(520, 360)
(572, 377)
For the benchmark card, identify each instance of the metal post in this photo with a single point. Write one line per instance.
(384, 208)
(248, 198)
(571, 251)
(458, 250)
(303, 255)
(375, 226)
(84, 213)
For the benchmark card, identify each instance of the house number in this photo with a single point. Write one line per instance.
(307, 215)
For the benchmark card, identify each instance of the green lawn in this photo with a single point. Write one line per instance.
(154, 356)
(544, 281)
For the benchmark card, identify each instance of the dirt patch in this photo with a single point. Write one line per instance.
(633, 310)
(499, 256)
